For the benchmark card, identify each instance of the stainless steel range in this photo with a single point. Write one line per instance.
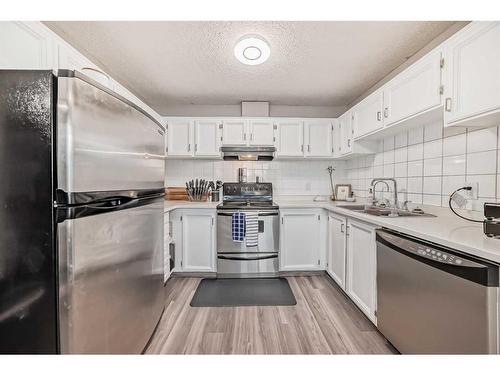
(236, 259)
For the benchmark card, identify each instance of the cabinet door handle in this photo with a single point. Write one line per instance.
(244, 136)
(447, 105)
(308, 148)
(342, 228)
(196, 147)
(386, 112)
(349, 142)
(302, 148)
(251, 136)
(189, 147)
(379, 116)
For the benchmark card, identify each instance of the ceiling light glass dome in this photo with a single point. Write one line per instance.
(252, 50)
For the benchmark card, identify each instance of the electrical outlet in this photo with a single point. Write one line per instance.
(471, 194)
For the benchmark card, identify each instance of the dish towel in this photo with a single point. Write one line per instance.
(252, 229)
(238, 226)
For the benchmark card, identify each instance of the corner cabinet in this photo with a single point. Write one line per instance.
(336, 251)
(472, 86)
(301, 244)
(194, 239)
(344, 146)
(361, 270)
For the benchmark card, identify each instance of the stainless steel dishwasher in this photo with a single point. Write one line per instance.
(435, 300)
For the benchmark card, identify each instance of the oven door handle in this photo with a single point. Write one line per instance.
(226, 257)
(260, 213)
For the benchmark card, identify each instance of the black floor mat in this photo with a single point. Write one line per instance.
(243, 292)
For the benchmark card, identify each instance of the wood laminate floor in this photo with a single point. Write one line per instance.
(324, 321)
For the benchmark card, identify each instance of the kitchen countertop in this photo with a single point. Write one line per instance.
(173, 205)
(445, 229)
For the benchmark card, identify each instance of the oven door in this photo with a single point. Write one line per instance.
(268, 233)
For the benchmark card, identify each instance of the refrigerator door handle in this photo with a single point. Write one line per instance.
(111, 203)
(105, 206)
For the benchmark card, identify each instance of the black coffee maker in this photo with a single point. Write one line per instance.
(491, 225)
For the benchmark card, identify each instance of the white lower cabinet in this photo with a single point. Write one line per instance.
(301, 240)
(194, 238)
(361, 271)
(336, 252)
(166, 246)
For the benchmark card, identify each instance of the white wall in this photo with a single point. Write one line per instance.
(234, 110)
(293, 177)
(429, 163)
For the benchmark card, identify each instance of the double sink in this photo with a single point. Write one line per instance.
(384, 211)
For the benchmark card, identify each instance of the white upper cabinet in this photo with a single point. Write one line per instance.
(345, 131)
(261, 132)
(25, 45)
(234, 132)
(290, 138)
(318, 138)
(179, 137)
(472, 65)
(336, 141)
(368, 115)
(361, 283)
(207, 138)
(415, 90)
(337, 248)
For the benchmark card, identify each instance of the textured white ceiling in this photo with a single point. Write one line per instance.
(311, 63)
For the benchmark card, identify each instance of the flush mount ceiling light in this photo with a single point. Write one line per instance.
(252, 50)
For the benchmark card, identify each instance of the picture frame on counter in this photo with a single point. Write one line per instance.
(342, 191)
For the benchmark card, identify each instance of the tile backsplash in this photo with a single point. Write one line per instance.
(429, 163)
(289, 177)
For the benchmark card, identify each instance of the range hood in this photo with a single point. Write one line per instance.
(248, 153)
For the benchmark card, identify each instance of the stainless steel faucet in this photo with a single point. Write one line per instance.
(374, 183)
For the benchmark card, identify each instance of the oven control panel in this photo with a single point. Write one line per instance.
(248, 190)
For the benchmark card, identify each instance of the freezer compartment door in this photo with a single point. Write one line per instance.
(103, 142)
(111, 280)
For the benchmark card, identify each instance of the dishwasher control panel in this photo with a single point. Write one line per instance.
(438, 255)
(425, 251)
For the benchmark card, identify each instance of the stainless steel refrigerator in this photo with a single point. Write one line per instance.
(81, 217)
